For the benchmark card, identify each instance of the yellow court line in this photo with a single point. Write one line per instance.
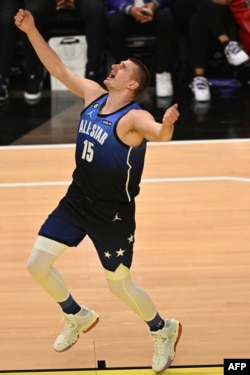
(171, 371)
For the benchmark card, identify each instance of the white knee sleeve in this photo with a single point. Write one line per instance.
(134, 297)
(50, 246)
(39, 265)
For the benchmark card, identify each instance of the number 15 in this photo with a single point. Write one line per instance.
(88, 151)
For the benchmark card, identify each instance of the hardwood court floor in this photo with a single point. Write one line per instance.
(191, 254)
(213, 370)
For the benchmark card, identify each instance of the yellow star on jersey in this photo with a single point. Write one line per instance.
(131, 238)
(107, 254)
(120, 252)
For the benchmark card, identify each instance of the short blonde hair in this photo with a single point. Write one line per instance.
(142, 75)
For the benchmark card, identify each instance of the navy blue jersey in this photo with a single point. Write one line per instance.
(106, 168)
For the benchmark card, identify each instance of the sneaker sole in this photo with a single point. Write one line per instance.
(169, 362)
(240, 61)
(29, 96)
(92, 325)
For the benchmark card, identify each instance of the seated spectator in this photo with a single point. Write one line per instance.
(92, 14)
(203, 21)
(42, 10)
(241, 12)
(125, 18)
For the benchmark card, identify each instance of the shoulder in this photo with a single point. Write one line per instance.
(133, 119)
(138, 114)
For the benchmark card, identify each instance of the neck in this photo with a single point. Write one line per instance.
(116, 101)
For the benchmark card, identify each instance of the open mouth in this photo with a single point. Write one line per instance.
(111, 75)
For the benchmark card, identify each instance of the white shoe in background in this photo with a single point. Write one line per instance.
(164, 85)
(235, 54)
(201, 89)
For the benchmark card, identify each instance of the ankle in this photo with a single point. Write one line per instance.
(70, 306)
(156, 324)
(223, 39)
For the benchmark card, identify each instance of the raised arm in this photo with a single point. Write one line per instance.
(156, 131)
(80, 86)
(140, 124)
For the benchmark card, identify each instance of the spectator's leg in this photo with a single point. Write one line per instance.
(164, 31)
(210, 15)
(93, 16)
(42, 11)
(199, 43)
(119, 27)
(8, 35)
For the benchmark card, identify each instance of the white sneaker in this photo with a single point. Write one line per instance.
(75, 324)
(201, 89)
(163, 83)
(235, 54)
(165, 342)
(33, 89)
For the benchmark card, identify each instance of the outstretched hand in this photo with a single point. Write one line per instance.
(24, 20)
(171, 115)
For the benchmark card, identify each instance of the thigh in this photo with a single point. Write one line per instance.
(113, 234)
(62, 226)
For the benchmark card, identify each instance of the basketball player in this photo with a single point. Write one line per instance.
(110, 150)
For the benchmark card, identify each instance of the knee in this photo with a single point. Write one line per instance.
(119, 281)
(121, 286)
(114, 287)
(33, 268)
(36, 268)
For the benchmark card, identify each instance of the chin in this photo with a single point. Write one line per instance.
(106, 82)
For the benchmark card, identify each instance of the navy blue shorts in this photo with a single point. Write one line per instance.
(110, 225)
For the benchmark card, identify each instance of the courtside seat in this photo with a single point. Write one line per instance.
(65, 24)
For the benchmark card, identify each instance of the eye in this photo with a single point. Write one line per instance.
(123, 66)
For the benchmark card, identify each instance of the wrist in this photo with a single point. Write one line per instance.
(156, 4)
(128, 9)
(32, 33)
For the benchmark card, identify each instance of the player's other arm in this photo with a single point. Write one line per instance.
(145, 124)
(78, 85)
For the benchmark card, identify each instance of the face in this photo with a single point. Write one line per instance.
(121, 75)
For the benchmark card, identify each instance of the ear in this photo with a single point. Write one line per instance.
(132, 85)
